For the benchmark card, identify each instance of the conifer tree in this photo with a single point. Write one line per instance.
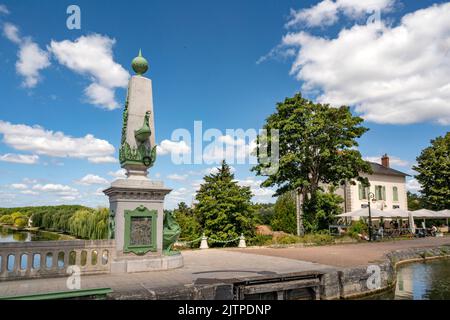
(224, 209)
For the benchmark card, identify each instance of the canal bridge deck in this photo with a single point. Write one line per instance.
(201, 268)
(208, 274)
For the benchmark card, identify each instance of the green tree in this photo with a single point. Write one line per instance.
(321, 209)
(284, 218)
(190, 227)
(415, 201)
(6, 219)
(316, 146)
(263, 212)
(224, 209)
(433, 166)
(21, 222)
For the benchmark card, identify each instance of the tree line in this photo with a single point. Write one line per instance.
(79, 221)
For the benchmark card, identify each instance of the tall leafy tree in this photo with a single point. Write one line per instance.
(224, 209)
(316, 146)
(433, 166)
(190, 227)
(284, 218)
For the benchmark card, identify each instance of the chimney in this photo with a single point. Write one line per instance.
(385, 161)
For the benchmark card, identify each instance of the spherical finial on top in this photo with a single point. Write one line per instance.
(139, 64)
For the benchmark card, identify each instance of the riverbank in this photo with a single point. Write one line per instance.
(39, 235)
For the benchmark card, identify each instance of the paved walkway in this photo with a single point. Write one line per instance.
(346, 255)
(203, 266)
(200, 266)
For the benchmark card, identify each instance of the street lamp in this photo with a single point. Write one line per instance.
(371, 196)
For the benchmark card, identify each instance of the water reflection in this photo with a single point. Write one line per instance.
(424, 281)
(9, 235)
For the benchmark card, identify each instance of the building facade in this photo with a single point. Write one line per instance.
(388, 186)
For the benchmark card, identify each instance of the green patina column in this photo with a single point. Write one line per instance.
(137, 150)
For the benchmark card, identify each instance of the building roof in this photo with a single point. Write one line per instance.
(379, 169)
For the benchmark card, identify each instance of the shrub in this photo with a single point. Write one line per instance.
(357, 227)
(259, 240)
(6, 219)
(21, 222)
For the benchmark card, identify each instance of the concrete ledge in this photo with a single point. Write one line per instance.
(147, 264)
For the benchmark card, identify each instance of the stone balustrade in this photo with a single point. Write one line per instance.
(38, 259)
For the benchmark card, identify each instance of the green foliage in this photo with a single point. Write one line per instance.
(415, 201)
(264, 212)
(21, 222)
(284, 218)
(433, 166)
(6, 219)
(190, 227)
(224, 209)
(89, 224)
(316, 146)
(79, 221)
(259, 240)
(358, 227)
(321, 209)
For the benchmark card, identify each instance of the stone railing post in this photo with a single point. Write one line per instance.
(204, 243)
(242, 243)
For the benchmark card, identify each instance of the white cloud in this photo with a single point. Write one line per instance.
(29, 181)
(19, 158)
(92, 56)
(215, 170)
(32, 59)
(29, 192)
(262, 195)
(99, 192)
(55, 144)
(177, 177)
(59, 189)
(172, 147)
(394, 75)
(19, 186)
(105, 159)
(121, 173)
(326, 13)
(92, 179)
(4, 9)
(12, 33)
(393, 161)
(232, 149)
(413, 185)
(179, 195)
(69, 198)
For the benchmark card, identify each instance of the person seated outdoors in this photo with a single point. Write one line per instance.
(381, 232)
(433, 231)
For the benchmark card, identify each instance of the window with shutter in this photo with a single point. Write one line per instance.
(395, 193)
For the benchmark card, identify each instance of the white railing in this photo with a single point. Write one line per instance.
(36, 259)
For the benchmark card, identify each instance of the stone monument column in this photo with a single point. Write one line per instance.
(136, 202)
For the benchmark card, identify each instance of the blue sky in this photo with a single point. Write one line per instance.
(223, 63)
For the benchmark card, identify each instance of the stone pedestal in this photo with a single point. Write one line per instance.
(137, 203)
(139, 195)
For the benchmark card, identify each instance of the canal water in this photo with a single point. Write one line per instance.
(9, 235)
(421, 281)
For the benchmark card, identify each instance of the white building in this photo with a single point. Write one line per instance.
(388, 186)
